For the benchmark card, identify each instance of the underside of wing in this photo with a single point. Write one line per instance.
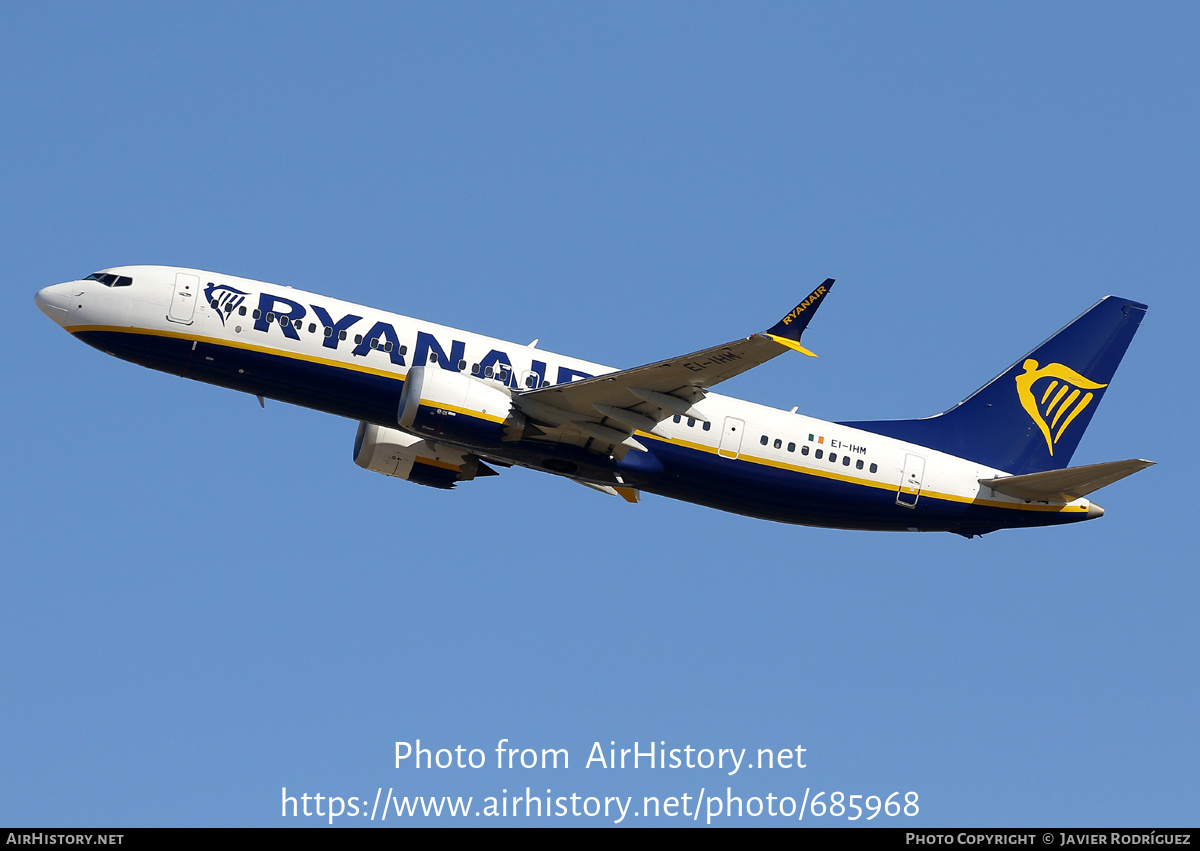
(607, 410)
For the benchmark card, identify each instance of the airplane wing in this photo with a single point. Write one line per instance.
(608, 409)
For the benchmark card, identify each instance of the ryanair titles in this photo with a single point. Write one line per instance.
(381, 337)
(804, 305)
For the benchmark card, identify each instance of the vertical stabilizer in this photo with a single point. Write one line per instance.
(1030, 417)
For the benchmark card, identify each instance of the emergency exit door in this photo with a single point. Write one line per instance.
(731, 438)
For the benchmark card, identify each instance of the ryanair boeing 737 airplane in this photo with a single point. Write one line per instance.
(438, 406)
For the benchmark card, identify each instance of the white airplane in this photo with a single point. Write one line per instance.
(438, 405)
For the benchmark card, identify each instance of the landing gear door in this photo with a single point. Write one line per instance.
(731, 438)
(910, 483)
(183, 300)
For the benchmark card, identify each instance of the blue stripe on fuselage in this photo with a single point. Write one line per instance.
(325, 387)
(737, 485)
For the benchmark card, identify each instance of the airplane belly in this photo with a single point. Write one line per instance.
(324, 387)
(758, 490)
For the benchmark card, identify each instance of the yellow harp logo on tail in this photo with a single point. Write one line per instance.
(1060, 395)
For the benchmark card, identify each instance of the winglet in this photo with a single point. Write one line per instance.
(787, 330)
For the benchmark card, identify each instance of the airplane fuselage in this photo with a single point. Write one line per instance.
(352, 361)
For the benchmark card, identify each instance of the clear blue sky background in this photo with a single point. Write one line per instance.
(205, 602)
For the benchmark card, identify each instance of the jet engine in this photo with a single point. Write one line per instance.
(395, 453)
(460, 408)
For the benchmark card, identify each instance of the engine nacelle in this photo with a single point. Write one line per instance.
(458, 407)
(394, 453)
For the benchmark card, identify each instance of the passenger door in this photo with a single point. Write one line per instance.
(910, 483)
(183, 300)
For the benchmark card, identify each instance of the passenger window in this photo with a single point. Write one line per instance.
(677, 418)
(832, 457)
(474, 366)
(328, 331)
(791, 447)
(374, 342)
(387, 347)
(858, 465)
(763, 440)
(257, 313)
(819, 453)
(874, 468)
(487, 373)
(357, 339)
(341, 335)
(242, 312)
(707, 426)
(462, 364)
(778, 443)
(433, 357)
(270, 318)
(312, 327)
(531, 381)
(845, 460)
(283, 321)
(691, 422)
(803, 450)
(404, 350)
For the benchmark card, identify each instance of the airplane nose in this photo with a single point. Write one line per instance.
(55, 302)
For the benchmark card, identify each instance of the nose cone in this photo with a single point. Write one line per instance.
(55, 302)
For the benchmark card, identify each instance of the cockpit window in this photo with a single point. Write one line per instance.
(110, 280)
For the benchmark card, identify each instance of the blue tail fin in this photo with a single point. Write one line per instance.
(1030, 417)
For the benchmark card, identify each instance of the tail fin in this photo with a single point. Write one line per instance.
(1030, 417)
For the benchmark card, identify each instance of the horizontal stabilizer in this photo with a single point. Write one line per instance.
(1067, 484)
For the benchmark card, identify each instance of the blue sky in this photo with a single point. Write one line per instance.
(207, 602)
